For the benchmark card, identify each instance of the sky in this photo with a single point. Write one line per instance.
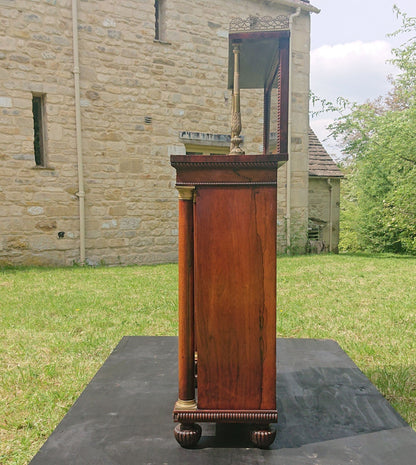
(350, 52)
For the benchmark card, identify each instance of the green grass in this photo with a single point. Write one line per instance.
(57, 326)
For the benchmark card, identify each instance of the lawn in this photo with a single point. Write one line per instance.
(57, 326)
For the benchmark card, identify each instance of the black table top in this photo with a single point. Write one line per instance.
(329, 414)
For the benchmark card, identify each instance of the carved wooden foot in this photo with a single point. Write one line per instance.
(262, 436)
(187, 435)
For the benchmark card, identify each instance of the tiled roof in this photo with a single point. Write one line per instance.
(320, 163)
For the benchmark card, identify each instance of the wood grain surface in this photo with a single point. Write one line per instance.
(186, 344)
(235, 296)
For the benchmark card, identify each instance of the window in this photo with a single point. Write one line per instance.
(160, 20)
(315, 229)
(39, 139)
(314, 233)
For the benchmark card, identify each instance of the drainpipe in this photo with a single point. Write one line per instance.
(81, 192)
(289, 136)
(330, 213)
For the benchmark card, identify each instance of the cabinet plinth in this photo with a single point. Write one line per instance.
(227, 289)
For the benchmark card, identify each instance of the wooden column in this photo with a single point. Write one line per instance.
(186, 347)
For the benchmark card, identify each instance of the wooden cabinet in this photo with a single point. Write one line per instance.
(227, 251)
(227, 296)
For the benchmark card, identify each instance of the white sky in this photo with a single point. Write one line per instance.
(349, 52)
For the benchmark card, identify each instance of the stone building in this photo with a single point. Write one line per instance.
(95, 96)
(324, 197)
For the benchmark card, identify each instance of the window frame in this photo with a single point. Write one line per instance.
(39, 129)
(160, 21)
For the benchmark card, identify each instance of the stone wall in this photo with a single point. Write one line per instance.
(320, 204)
(36, 57)
(137, 95)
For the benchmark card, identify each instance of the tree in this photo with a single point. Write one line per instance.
(379, 139)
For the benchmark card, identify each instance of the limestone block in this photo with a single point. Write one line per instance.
(120, 210)
(6, 102)
(36, 210)
(17, 243)
(8, 43)
(130, 223)
(68, 211)
(42, 243)
(299, 162)
(46, 225)
(111, 224)
(112, 194)
(131, 166)
(299, 197)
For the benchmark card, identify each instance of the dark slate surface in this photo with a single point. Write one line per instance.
(330, 414)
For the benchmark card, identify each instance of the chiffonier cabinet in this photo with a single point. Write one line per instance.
(227, 253)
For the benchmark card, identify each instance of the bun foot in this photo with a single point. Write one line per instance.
(262, 436)
(187, 435)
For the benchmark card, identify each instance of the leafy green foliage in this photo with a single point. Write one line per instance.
(378, 196)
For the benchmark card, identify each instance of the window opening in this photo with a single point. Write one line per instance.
(39, 145)
(314, 233)
(160, 28)
(315, 229)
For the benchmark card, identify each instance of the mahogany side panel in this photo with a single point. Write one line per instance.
(235, 297)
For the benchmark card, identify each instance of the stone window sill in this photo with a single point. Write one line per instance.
(43, 168)
(163, 42)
